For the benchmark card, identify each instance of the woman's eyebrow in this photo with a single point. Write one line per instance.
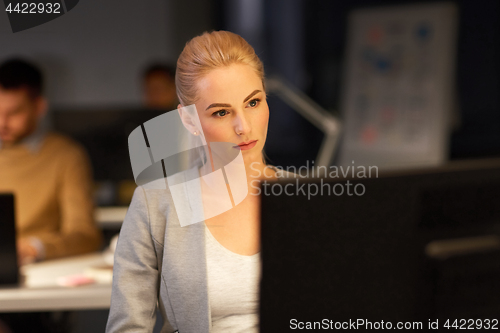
(218, 105)
(215, 105)
(250, 96)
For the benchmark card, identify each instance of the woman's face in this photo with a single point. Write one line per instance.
(232, 107)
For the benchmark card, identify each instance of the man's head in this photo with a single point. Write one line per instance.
(159, 87)
(21, 100)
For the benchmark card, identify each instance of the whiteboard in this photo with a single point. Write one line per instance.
(398, 86)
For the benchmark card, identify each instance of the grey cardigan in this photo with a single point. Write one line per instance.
(158, 262)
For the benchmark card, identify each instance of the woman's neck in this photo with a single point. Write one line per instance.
(259, 170)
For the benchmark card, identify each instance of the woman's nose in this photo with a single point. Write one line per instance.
(242, 125)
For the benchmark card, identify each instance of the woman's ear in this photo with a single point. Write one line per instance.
(187, 120)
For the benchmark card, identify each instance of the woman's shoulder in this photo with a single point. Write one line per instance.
(169, 199)
(165, 183)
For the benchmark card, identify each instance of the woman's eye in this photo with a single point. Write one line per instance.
(253, 103)
(220, 113)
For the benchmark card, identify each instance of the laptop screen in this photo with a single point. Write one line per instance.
(9, 271)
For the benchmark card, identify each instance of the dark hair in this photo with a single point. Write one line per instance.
(156, 68)
(18, 74)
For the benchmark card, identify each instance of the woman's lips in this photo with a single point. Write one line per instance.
(247, 145)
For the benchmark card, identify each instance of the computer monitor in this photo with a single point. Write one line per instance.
(9, 270)
(412, 247)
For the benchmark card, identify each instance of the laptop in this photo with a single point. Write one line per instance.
(9, 270)
(414, 247)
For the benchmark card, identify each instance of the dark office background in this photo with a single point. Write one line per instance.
(96, 67)
(317, 30)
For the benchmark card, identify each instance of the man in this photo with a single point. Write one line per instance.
(159, 87)
(49, 174)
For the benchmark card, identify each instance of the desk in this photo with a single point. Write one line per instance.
(40, 292)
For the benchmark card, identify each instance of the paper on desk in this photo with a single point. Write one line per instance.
(74, 280)
(100, 273)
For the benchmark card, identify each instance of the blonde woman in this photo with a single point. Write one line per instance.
(204, 277)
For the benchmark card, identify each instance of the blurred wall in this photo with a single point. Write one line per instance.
(477, 133)
(190, 18)
(94, 54)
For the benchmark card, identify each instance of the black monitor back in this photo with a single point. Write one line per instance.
(9, 271)
(348, 257)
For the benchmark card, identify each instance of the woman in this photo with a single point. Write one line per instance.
(204, 276)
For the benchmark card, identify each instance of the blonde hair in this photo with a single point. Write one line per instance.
(207, 52)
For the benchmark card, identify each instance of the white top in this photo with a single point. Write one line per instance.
(233, 288)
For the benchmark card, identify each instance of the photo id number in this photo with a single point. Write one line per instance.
(34, 8)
